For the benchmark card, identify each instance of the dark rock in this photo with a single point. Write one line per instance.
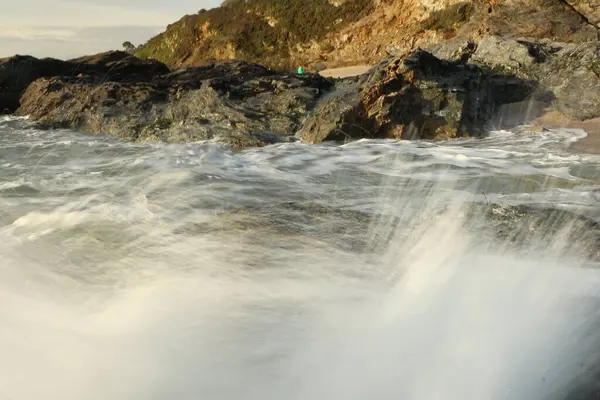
(118, 66)
(515, 228)
(416, 96)
(18, 72)
(339, 116)
(568, 74)
(552, 231)
(552, 19)
(237, 103)
(304, 221)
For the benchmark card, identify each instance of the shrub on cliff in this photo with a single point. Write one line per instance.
(259, 30)
(449, 18)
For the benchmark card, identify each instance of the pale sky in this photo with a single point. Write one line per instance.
(71, 28)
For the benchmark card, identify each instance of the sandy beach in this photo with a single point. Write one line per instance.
(345, 72)
(589, 144)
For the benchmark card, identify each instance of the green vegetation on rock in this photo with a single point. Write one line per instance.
(449, 18)
(257, 30)
(129, 47)
(595, 66)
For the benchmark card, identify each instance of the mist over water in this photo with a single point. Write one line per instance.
(368, 270)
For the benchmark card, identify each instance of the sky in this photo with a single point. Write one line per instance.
(72, 28)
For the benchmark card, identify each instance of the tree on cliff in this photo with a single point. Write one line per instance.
(129, 47)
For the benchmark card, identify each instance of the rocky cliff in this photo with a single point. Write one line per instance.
(243, 104)
(446, 93)
(330, 33)
(18, 72)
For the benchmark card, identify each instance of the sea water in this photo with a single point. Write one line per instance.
(152, 271)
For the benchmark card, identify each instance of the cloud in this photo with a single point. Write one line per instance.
(37, 33)
(69, 28)
(63, 42)
(181, 6)
(95, 13)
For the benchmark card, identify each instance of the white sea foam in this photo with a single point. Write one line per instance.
(7, 118)
(132, 279)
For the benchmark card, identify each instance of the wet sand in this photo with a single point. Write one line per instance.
(589, 144)
(345, 72)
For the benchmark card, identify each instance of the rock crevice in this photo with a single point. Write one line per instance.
(588, 9)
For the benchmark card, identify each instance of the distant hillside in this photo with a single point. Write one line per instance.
(319, 33)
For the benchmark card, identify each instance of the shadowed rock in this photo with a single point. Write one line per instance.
(304, 221)
(551, 231)
(568, 74)
(237, 103)
(415, 96)
(18, 72)
(589, 9)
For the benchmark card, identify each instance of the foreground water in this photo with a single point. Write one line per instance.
(147, 271)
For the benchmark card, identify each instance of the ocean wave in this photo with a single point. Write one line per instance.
(376, 268)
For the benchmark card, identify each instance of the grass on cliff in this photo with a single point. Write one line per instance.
(449, 18)
(245, 25)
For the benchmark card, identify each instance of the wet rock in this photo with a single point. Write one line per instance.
(552, 231)
(304, 221)
(18, 72)
(339, 116)
(237, 103)
(415, 96)
(418, 95)
(503, 227)
(569, 72)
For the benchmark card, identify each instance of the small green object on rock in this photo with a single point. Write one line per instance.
(300, 71)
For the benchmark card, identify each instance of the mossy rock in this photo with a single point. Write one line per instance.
(449, 18)
(595, 66)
